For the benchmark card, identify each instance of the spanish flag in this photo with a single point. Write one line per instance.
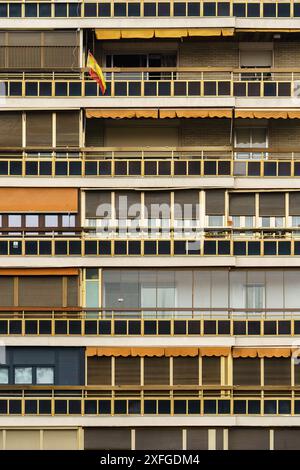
(96, 72)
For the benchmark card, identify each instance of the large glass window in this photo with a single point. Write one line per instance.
(249, 138)
(45, 375)
(4, 375)
(23, 375)
(255, 296)
(14, 220)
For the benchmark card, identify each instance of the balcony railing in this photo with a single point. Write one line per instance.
(157, 82)
(40, 321)
(149, 400)
(150, 161)
(157, 8)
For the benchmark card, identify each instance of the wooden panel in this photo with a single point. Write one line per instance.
(38, 200)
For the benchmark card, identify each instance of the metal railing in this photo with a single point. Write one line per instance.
(157, 8)
(149, 400)
(156, 82)
(77, 321)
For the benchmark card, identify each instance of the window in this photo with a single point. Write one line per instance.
(3, 375)
(296, 221)
(68, 220)
(14, 220)
(215, 220)
(250, 138)
(51, 220)
(45, 375)
(254, 296)
(31, 220)
(256, 58)
(23, 375)
(265, 222)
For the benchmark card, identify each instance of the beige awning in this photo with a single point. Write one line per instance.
(38, 200)
(261, 352)
(270, 114)
(149, 33)
(159, 352)
(39, 272)
(195, 113)
(122, 113)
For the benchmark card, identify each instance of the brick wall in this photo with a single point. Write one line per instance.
(286, 54)
(284, 133)
(205, 132)
(208, 54)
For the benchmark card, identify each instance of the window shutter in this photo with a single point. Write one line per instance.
(107, 438)
(246, 371)
(7, 291)
(211, 370)
(11, 129)
(72, 291)
(124, 200)
(294, 204)
(161, 438)
(94, 133)
(271, 204)
(94, 199)
(67, 129)
(242, 204)
(127, 371)
(286, 438)
(61, 49)
(24, 49)
(248, 438)
(44, 291)
(186, 204)
(39, 129)
(98, 370)
(215, 202)
(255, 58)
(197, 438)
(156, 371)
(277, 371)
(186, 370)
(154, 199)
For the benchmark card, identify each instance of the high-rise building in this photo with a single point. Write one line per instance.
(150, 235)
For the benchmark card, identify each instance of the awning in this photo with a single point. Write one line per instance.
(39, 272)
(158, 352)
(195, 113)
(38, 200)
(122, 113)
(261, 352)
(261, 114)
(149, 33)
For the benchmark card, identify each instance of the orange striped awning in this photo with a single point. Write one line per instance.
(261, 352)
(158, 352)
(267, 114)
(195, 113)
(149, 33)
(122, 113)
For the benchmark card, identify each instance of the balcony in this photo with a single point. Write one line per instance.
(150, 400)
(192, 322)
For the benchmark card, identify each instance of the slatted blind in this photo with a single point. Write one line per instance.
(94, 133)
(248, 438)
(24, 49)
(124, 202)
(277, 371)
(211, 370)
(294, 204)
(186, 370)
(44, 291)
(6, 291)
(215, 202)
(197, 438)
(287, 438)
(186, 204)
(157, 204)
(10, 129)
(242, 204)
(127, 371)
(98, 370)
(67, 128)
(61, 49)
(156, 371)
(98, 204)
(39, 129)
(246, 371)
(72, 291)
(162, 438)
(271, 204)
(107, 438)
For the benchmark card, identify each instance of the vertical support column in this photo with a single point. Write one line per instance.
(212, 437)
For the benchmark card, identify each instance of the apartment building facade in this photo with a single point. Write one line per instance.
(150, 236)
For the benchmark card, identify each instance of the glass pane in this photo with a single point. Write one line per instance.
(14, 220)
(259, 137)
(255, 296)
(23, 375)
(32, 220)
(3, 375)
(44, 375)
(242, 137)
(51, 220)
(92, 294)
(68, 220)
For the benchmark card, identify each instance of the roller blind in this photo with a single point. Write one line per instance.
(22, 439)
(246, 371)
(157, 204)
(211, 372)
(67, 129)
(38, 200)
(242, 204)
(98, 370)
(60, 439)
(256, 58)
(286, 438)
(72, 291)
(107, 438)
(277, 371)
(186, 204)
(61, 49)
(39, 129)
(186, 370)
(98, 204)
(271, 204)
(11, 129)
(6, 291)
(43, 291)
(156, 371)
(248, 438)
(24, 49)
(294, 204)
(197, 438)
(161, 438)
(124, 202)
(94, 133)
(127, 371)
(215, 202)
